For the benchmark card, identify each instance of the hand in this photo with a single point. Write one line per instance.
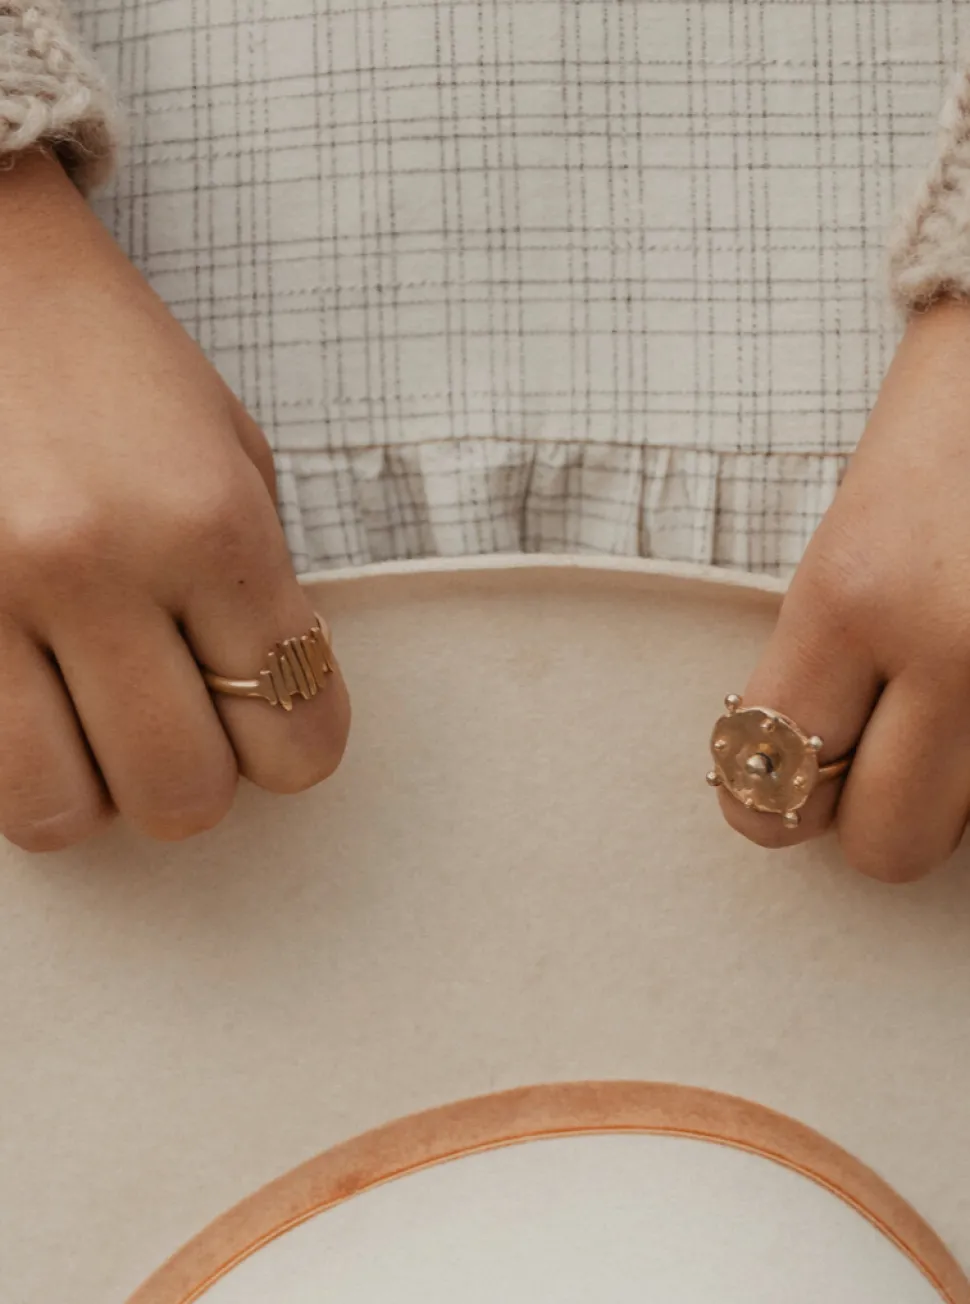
(138, 538)
(872, 649)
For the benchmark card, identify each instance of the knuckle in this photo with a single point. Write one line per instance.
(58, 831)
(290, 780)
(942, 650)
(843, 587)
(313, 758)
(883, 861)
(261, 455)
(56, 536)
(184, 815)
(302, 772)
(763, 831)
(219, 513)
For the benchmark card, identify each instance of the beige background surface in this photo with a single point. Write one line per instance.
(518, 876)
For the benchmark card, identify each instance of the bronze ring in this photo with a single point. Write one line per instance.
(297, 667)
(766, 762)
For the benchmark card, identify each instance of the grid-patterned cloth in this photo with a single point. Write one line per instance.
(582, 275)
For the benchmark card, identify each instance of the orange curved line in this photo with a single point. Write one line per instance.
(220, 1242)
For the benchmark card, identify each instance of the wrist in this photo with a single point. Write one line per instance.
(920, 425)
(940, 328)
(49, 233)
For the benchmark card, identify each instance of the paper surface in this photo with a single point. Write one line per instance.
(518, 876)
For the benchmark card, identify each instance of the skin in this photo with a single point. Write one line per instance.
(138, 538)
(872, 650)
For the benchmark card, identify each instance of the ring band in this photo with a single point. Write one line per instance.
(767, 762)
(296, 667)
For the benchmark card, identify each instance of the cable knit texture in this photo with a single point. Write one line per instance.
(930, 251)
(51, 92)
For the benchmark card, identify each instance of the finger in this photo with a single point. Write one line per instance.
(235, 613)
(824, 680)
(254, 442)
(148, 719)
(50, 793)
(907, 797)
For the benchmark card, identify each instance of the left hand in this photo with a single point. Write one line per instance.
(872, 648)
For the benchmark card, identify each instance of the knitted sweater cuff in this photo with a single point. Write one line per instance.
(930, 250)
(51, 93)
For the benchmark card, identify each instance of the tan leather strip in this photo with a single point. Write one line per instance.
(532, 1113)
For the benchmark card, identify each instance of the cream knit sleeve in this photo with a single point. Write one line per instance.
(50, 91)
(930, 250)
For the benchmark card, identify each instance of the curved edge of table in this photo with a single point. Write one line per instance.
(533, 1113)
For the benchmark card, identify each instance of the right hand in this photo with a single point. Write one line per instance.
(138, 539)
(872, 650)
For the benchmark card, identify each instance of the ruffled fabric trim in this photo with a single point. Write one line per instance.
(51, 93)
(751, 511)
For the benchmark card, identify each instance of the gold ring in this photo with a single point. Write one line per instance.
(766, 762)
(297, 667)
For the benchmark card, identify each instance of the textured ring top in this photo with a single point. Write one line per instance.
(296, 667)
(766, 761)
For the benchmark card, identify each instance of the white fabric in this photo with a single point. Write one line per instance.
(559, 275)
